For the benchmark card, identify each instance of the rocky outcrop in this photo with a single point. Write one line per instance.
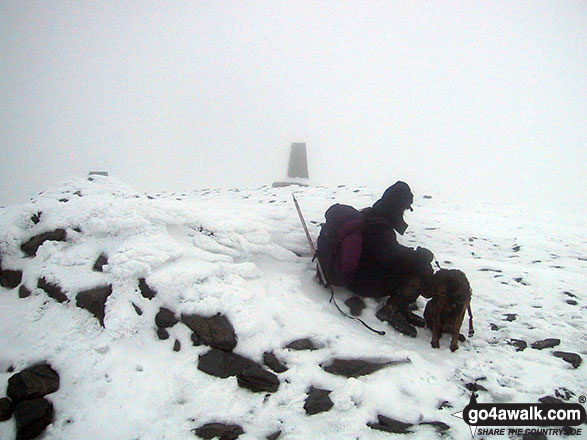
(165, 318)
(273, 362)
(388, 424)
(31, 247)
(215, 331)
(257, 379)
(6, 409)
(10, 278)
(572, 358)
(146, 291)
(221, 431)
(32, 417)
(317, 401)
(33, 382)
(302, 344)
(545, 343)
(100, 263)
(94, 301)
(357, 367)
(223, 364)
(53, 290)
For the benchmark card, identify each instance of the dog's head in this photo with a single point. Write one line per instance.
(450, 286)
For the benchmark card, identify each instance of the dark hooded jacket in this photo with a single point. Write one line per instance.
(385, 264)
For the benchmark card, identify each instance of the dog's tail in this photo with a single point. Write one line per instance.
(471, 329)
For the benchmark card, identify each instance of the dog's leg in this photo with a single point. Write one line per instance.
(454, 343)
(436, 331)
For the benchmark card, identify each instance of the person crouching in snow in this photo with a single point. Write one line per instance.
(360, 250)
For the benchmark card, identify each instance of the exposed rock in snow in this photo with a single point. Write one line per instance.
(33, 382)
(545, 343)
(215, 331)
(33, 244)
(32, 417)
(6, 409)
(219, 430)
(318, 401)
(357, 367)
(94, 301)
(53, 290)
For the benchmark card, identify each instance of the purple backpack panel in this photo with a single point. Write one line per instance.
(340, 244)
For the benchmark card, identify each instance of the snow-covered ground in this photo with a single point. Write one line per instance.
(243, 253)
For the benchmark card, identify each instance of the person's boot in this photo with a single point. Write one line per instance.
(403, 307)
(397, 320)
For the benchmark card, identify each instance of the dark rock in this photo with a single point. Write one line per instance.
(33, 382)
(493, 326)
(549, 400)
(220, 430)
(23, 292)
(36, 218)
(100, 263)
(473, 386)
(516, 248)
(388, 424)
(177, 345)
(53, 290)
(165, 318)
(146, 291)
(440, 427)
(488, 269)
(427, 197)
(564, 393)
(545, 343)
(317, 401)
(519, 344)
(32, 417)
(94, 301)
(274, 436)
(215, 331)
(162, 334)
(510, 317)
(273, 362)
(6, 409)
(257, 379)
(78, 193)
(137, 309)
(196, 341)
(302, 344)
(223, 364)
(444, 404)
(355, 305)
(572, 358)
(572, 302)
(357, 367)
(10, 278)
(569, 294)
(64, 200)
(30, 247)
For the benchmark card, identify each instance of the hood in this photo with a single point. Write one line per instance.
(391, 206)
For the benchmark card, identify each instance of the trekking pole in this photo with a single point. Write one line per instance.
(321, 272)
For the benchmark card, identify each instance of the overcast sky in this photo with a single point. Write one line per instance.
(476, 99)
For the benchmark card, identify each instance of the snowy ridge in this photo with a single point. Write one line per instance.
(243, 253)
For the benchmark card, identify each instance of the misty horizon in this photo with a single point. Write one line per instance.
(481, 102)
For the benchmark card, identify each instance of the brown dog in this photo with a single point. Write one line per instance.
(444, 313)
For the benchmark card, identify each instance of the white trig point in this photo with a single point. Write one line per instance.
(297, 170)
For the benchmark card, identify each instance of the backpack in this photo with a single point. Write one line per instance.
(340, 244)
